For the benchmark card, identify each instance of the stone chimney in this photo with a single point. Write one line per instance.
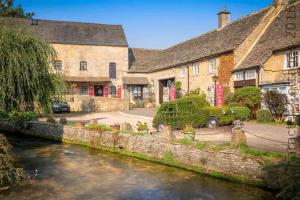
(278, 3)
(224, 17)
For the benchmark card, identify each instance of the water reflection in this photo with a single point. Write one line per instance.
(73, 172)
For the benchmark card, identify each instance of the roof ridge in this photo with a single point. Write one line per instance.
(150, 49)
(63, 21)
(244, 17)
(233, 22)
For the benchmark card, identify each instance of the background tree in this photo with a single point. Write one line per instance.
(276, 103)
(7, 9)
(249, 97)
(25, 79)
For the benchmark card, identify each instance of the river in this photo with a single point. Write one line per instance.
(64, 171)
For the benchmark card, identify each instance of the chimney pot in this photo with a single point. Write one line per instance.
(224, 17)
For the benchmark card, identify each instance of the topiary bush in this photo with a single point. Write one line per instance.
(223, 114)
(250, 97)
(241, 113)
(264, 116)
(234, 104)
(178, 113)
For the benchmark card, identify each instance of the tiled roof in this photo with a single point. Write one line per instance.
(71, 32)
(207, 45)
(275, 38)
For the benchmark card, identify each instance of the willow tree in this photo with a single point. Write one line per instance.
(26, 80)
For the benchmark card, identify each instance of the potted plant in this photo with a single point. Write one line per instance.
(142, 127)
(189, 132)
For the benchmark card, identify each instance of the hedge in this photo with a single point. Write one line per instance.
(264, 116)
(178, 113)
(241, 113)
(223, 114)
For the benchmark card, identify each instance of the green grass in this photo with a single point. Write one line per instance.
(203, 145)
(246, 150)
(99, 127)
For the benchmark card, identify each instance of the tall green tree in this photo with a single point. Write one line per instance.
(7, 9)
(26, 81)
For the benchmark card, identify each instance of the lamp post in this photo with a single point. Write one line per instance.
(215, 78)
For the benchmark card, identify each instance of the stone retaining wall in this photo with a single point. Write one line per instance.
(96, 104)
(227, 164)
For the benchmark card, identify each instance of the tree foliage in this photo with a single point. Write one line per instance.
(249, 97)
(7, 9)
(276, 103)
(26, 83)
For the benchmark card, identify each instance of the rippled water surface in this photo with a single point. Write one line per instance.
(73, 172)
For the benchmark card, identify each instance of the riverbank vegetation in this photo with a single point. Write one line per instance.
(9, 174)
(285, 178)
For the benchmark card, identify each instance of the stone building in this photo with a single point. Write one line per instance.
(253, 50)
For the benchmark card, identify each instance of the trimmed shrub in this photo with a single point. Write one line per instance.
(276, 103)
(178, 113)
(241, 113)
(264, 116)
(223, 114)
(249, 97)
(234, 104)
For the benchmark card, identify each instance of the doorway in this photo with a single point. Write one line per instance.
(98, 90)
(164, 89)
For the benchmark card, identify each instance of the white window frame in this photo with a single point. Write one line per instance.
(80, 90)
(58, 66)
(195, 69)
(252, 76)
(292, 57)
(182, 72)
(212, 66)
(239, 76)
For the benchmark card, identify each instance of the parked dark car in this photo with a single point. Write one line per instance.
(59, 106)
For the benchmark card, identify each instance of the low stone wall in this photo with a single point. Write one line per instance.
(96, 104)
(227, 164)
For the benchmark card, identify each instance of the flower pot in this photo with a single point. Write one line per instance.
(189, 136)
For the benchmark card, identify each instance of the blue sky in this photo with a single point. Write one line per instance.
(147, 23)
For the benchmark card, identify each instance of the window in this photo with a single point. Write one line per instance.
(137, 92)
(239, 76)
(195, 69)
(182, 72)
(250, 74)
(212, 66)
(112, 70)
(84, 90)
(83, 65)
(113, 90)
(292, 59)
(58, 66)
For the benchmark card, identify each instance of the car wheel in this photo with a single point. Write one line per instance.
(212, 122)
(160, 127)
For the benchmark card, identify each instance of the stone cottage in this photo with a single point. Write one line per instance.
(97, 61)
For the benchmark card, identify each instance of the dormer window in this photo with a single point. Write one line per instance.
(83, 65)
(292, 59)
